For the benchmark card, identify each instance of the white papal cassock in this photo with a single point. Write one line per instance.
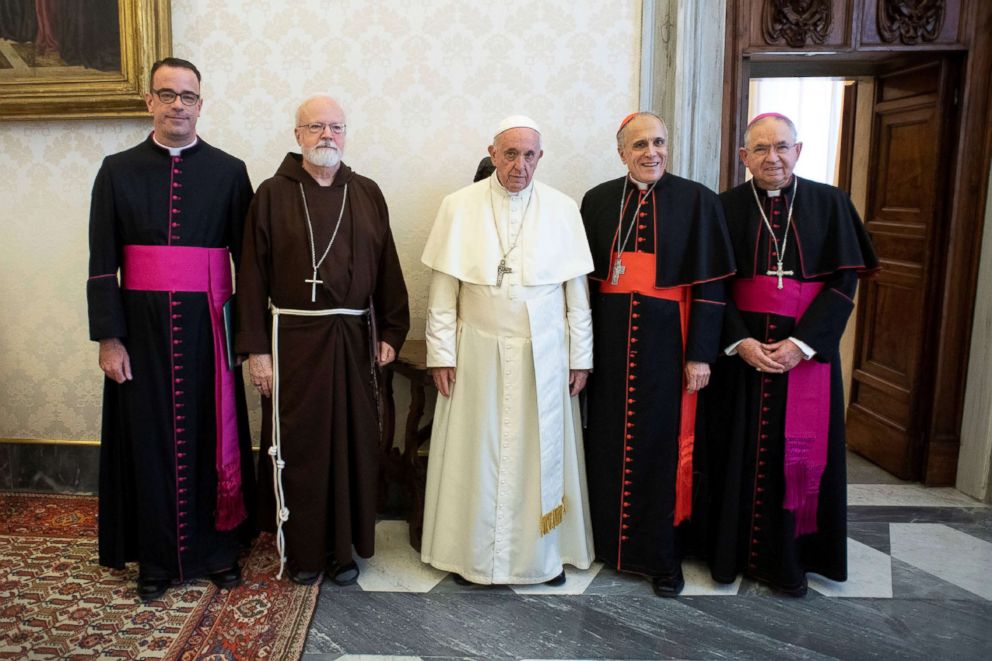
(506, 450)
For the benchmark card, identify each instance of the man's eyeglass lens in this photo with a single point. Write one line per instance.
(318, 127)
(168, 96)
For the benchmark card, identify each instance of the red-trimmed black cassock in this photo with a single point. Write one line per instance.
(782, 510)
(642, 463)
(167, 224)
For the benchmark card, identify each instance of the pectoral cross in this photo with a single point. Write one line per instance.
(313, 286)
(618, 270)
(779, 272)
(500, 270)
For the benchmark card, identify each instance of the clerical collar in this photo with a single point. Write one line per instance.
(174, 151)
(640, 184)
(775, 192)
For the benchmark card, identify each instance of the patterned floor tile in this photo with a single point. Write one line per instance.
(396, 566)
(698, 581)
(912, 495)
(908, 582)
(869, 574)
(576, 582)
(873, 533)
(947, 553)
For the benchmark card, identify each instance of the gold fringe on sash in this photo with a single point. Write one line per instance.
(553, 519)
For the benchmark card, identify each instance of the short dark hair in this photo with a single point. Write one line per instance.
(176, 63)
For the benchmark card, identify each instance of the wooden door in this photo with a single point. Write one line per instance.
(892, 385)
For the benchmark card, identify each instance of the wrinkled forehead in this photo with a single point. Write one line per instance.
(321, 110)
(644, 127)
(521, 138)
(771, 130)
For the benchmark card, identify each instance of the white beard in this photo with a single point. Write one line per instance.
(322, 157)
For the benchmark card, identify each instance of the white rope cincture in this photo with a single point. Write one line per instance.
(278, 464)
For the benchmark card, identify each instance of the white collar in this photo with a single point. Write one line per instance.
(640, 184)
(174, 151)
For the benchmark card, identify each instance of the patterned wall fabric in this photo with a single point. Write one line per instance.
(423, 84)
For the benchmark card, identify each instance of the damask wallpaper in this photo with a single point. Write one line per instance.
(423, 84)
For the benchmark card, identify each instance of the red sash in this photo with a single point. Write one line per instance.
(807, 403)
(639, 278)
(190, 269)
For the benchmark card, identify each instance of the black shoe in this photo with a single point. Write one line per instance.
(227, 578)
(798, 592)
(668, 586)
(557, 580)
(461, 580)
(343, 575)
(304, 577)
(152, 588)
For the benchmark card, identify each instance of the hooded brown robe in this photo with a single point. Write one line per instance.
(329, 420)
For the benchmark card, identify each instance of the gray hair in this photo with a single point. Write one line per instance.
(777, 118)
(621, 134)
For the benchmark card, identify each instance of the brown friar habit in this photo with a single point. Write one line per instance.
(753, 532)
(635, 392)
(328, 416)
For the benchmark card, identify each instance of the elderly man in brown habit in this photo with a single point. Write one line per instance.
(322, 303)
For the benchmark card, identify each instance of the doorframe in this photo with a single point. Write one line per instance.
(966, 215)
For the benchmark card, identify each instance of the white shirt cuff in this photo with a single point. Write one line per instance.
(807, 350)
(732, 349)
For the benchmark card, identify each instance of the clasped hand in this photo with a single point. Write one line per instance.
(776, 357)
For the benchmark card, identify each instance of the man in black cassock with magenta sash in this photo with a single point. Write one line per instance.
(176, 478)
(660, 251)
(777, 430)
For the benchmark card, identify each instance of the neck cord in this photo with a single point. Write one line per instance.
(788, 220)
(313, 255)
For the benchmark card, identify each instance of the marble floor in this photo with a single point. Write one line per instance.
(919, 587)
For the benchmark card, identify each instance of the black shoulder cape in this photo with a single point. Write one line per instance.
(830, 234)
(692, 241)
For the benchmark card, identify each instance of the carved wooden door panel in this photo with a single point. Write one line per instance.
(891, 388)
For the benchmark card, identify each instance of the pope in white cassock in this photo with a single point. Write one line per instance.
(509, 341)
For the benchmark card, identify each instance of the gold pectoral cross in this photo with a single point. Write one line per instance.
(313, 286)
(779, 272)
(618, 270)
(500, 270)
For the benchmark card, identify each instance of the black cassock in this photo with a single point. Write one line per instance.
(158, 480)
(635, 389)
(753, 534)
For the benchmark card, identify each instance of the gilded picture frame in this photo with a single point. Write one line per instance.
(68, 60)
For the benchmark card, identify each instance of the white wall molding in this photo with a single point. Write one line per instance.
(682, 80)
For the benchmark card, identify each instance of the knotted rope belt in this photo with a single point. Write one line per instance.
(278, 464)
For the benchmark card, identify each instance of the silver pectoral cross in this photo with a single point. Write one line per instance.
(500, 270)
(779, 272)
(313, 286)
(618, 270)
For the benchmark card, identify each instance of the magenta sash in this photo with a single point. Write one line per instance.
(190, 269)
(807, 405)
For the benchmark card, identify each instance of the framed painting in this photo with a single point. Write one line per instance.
(76, 59)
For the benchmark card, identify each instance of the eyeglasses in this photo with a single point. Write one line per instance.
(316, 128)
(168, 96)
(781, 149)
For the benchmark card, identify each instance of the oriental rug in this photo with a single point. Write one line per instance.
(56, 602)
